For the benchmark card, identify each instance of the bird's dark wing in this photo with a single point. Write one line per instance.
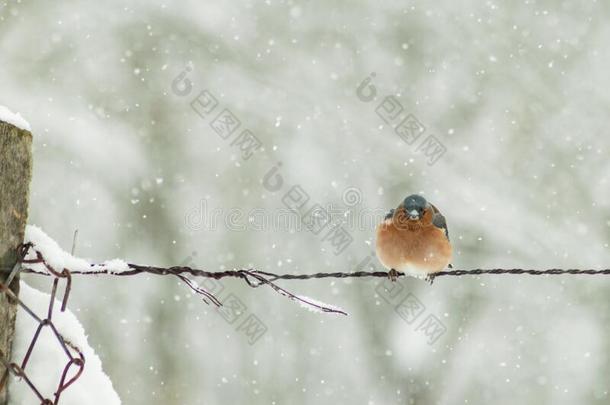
(390, 214)
(439, 220)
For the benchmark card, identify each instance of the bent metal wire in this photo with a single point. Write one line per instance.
(75, 357)
(254, 278)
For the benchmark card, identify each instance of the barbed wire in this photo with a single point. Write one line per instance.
(253, 278)
(245, 273)
(19, 370)
(256, 278)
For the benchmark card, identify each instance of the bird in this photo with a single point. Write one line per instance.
(414, 239)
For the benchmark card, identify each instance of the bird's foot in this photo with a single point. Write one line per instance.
(429, 278)
(393, 275)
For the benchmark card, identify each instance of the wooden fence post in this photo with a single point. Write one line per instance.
(15, 176)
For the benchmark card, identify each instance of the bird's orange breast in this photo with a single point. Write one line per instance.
(423, 249)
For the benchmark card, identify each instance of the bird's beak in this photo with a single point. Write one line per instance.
(413, 214)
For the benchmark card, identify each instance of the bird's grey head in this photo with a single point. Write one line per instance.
(415, 205)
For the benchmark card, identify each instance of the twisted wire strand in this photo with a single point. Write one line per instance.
(252, 277)
(244, 273)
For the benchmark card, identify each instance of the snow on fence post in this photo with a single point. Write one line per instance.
(15, 175)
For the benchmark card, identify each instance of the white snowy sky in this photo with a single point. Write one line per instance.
(515, 91)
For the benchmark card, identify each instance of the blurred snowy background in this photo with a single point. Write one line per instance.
(516, 92)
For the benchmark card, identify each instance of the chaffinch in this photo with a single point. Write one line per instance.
(413, 238)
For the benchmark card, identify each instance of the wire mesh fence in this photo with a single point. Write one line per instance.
(75, 358)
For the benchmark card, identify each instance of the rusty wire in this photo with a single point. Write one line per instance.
(19, 370)
(248, 274)
(257, 278)
(252, 277)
